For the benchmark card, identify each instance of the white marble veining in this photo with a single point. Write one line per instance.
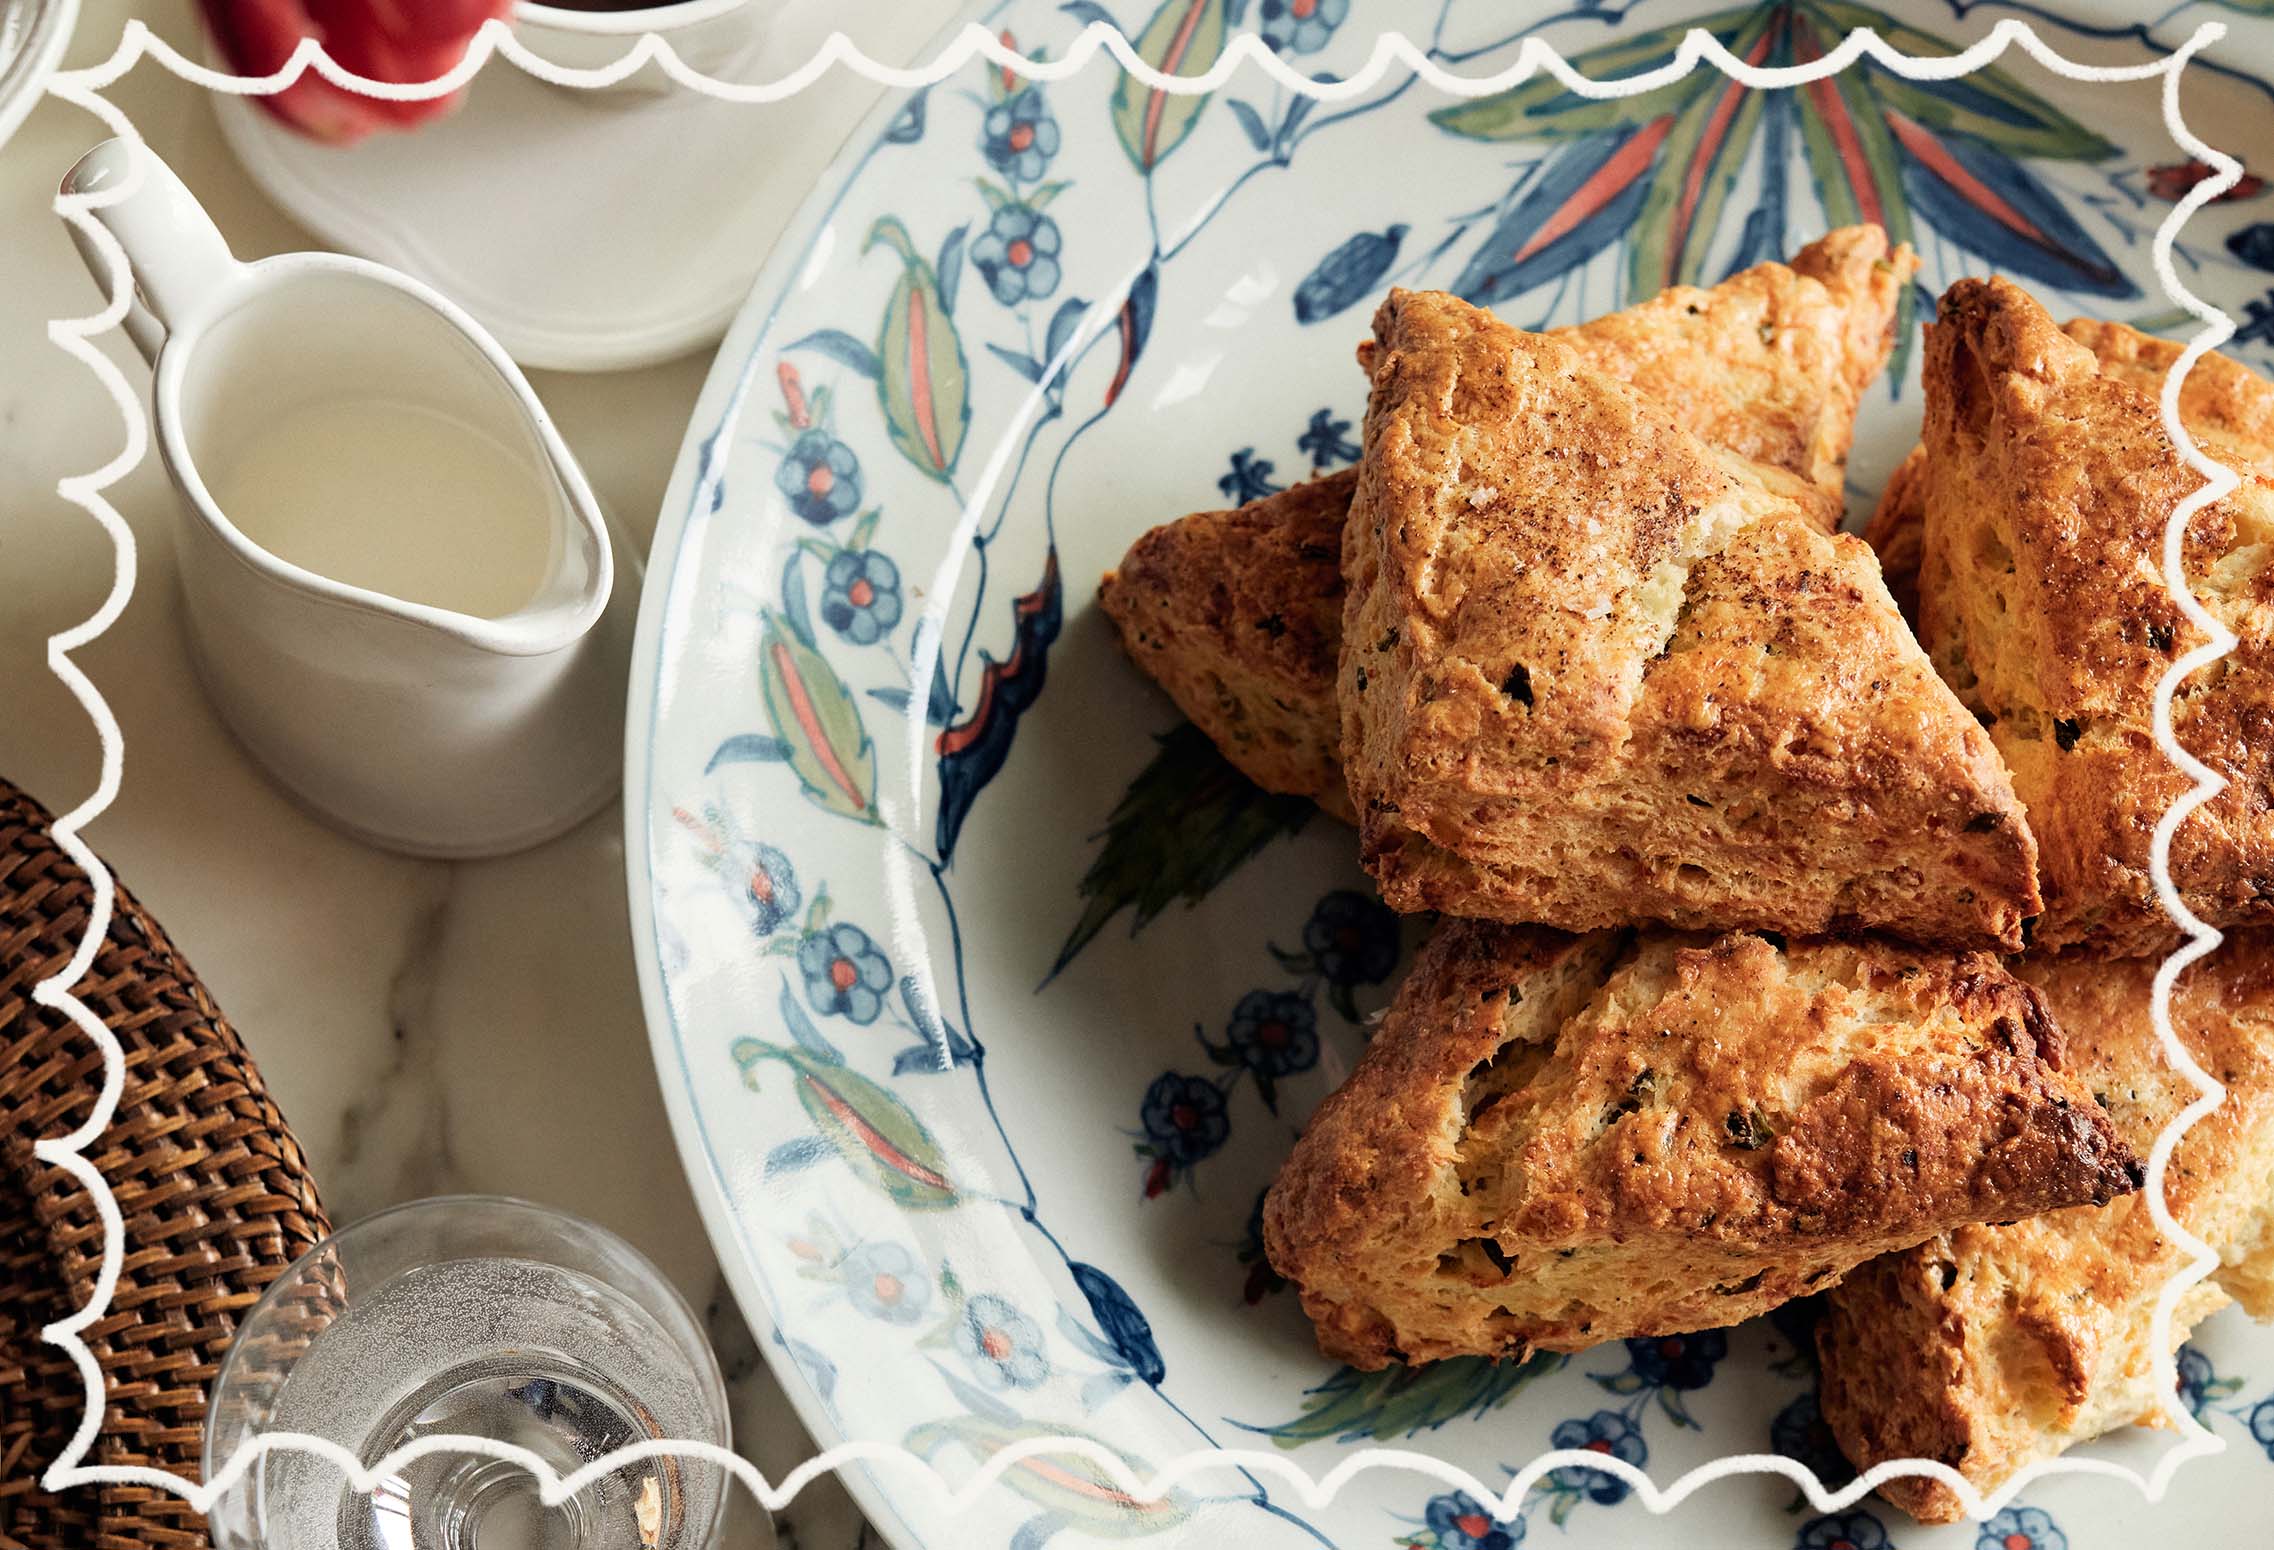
(427, 1026)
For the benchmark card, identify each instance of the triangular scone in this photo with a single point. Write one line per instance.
(1591, 675)
(1238, 614)
(1989, 1348)
(1554, 1141)
(2224, 404)
(2047, 484)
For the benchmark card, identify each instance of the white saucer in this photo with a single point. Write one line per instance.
(587, 233)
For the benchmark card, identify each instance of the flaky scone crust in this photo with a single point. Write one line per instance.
(2048, 484)
(1234, 614)
(1591, 674)
(1988, 1347)
(1238, 615)
(1554, 1141)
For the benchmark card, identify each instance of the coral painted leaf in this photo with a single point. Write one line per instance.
(1068, 1485)
(1577, 206)
(1850, 152)
(1990, 104)
(1543, 108)
(1183, 38)
(1704, 148)
(922, 377)
(1134, 324)
(1990, 203)
(1354, 1406)
(973, 750)
(1187, 822)
(876, 1133)
(1125, 1327)
(817, 720)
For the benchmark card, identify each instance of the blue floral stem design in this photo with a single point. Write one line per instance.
(1026, 1204)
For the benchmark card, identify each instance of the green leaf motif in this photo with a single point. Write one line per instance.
(924, 378)
(1183, 38)
(1354, 1406)
(1188, 821)
(1065, 1484)
(1991, 104)
(878, 1136)
(817, 719)
(1543, 108)
(1697, 166)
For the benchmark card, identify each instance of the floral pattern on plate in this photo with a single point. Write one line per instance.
(951, 915)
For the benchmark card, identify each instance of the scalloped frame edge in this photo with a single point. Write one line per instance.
(1392, 51)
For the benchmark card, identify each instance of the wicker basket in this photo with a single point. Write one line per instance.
(215, 1195)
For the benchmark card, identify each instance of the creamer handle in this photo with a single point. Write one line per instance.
(177, 255)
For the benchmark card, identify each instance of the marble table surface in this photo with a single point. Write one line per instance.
(429, 1027)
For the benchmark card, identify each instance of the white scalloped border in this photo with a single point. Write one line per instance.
(1392, 51)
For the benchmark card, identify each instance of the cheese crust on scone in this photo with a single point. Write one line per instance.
(1989, 1348)
(1555, 1141)
(1593, 675)
(2046, 487)
(1238, 614)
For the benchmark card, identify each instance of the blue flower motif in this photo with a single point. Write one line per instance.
(1300, 26)
(1842, 1531)
(2018, 1528)
(2262, 1425)
(1352, 938)
(765, 887)
(1274, 1032)
(1678, 1361)
(1184, 1118)
(1249, 480)
(845, 972)
(819, 477)
(1326, 441)
(885, 1282)
(1461, 1522)
(860, 595)
(1607, 1432)
(1002, 1345)
(1020, 135)
(2195, 1378)
(1799, 1433)
(1018, 253)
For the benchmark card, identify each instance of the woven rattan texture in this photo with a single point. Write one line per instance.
(215, 1194)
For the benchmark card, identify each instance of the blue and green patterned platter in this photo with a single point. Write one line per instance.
(986, 1000)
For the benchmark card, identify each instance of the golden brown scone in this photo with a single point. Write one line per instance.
(2047, 485)
(1897, 530)
(2219, 401)
(1771, 363)
(1592, 675)
(1237, 616)
(1988, 1348)
(1555, 1141)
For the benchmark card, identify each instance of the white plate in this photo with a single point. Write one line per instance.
(952, 1259)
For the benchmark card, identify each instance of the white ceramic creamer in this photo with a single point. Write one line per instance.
(397, 580)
